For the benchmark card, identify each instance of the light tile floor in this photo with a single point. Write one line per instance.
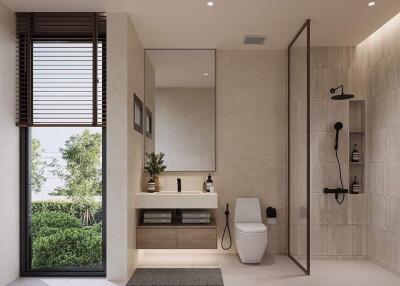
(277, 270)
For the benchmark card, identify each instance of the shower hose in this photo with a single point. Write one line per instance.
(340, 175)
(226, 229)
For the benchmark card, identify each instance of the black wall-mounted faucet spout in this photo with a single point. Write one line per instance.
(179, 182)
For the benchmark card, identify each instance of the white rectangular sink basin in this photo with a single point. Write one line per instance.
(175, 200)
(175, 192)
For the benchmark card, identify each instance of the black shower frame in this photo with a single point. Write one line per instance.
(305, 27)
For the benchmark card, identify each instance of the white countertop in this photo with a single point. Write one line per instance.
(175, 200)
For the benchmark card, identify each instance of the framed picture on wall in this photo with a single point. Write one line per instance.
(137, 114)
(149, 123)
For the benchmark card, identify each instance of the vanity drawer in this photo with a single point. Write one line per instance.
(197, 238)
(156, 238)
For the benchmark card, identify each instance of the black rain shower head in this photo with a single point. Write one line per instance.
(342, 95)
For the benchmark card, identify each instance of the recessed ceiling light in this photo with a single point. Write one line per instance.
(210, 3)
(206, 74)
(371, 4)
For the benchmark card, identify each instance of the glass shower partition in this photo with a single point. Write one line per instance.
(299, 148)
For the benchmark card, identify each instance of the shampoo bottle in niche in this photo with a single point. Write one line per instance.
(209, 184)
(355, 155)
(355, 186)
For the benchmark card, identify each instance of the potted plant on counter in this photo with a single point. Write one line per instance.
(154, 165)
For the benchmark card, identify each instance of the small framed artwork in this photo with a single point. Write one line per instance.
(149, 124)
(137, 114)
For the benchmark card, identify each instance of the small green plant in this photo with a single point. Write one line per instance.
(155, 163)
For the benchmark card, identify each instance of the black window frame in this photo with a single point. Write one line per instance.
(25, 124)
(25, 218)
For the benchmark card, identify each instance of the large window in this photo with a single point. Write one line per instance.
(65, 199)
(62, 115)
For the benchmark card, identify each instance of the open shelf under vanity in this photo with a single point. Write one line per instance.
(176, 234)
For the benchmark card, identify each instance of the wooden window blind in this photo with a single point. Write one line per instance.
(61, 69)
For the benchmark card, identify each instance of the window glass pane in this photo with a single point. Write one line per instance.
(299, 152)
(66, 198)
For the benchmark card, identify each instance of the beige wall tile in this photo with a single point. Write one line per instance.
(322, 147)
(342, 239)
(358, 209)
(380, 54)
(256, 81)
(125, 157)
(117, 156)
(251, 138)
(326, 175)
(395, 262)
(377, 211)
(319, 239)
(335, 224)
(325, 113)
(362, 236)
(9, 151)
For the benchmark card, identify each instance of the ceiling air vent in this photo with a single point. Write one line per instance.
(253, 40)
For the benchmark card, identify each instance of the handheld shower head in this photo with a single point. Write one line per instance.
(338, 126)
(342, 95)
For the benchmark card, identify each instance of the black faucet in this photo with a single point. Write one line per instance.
(179, 182)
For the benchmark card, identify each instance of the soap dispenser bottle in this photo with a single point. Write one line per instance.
(209, 183)
(355, 155)
(355, 186)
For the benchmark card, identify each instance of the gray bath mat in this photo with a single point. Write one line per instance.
(176, 277)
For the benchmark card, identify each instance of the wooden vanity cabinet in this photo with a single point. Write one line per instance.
(176, 236)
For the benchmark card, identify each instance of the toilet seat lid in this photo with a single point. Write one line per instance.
(251, 227)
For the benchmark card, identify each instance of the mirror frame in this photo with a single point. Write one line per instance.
(215, 105)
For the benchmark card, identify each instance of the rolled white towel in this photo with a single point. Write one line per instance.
(157, 220)
(195, 220)
(157, 214)
(196, 214)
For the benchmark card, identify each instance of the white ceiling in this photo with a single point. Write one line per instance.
(191, 24)
(183, 68)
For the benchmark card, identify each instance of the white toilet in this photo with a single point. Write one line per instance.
(249, 231)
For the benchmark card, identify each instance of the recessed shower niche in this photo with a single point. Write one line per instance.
(357, 148)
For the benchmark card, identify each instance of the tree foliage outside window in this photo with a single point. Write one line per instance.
(82, 172)
(67, 231)
(38, 166)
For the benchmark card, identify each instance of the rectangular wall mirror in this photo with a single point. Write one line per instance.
(180, 95)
